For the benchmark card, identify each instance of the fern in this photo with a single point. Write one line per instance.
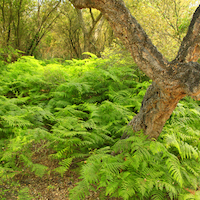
(80, 109)
(65, 164)
(157, 195)
(80, 191)
(175, 169)
(190, 196)
(134, 172)
(24, 194)
(38, 169)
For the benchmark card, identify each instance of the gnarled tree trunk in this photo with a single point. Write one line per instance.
(171, 80)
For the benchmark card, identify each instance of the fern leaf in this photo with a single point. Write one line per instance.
(112, 187)
(80, 191)
(157, 195)
(61, 170)
(173, 165)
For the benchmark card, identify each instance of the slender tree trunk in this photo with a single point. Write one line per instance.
(43, 27)
(9, 24)
(18, 25)
(87, 33)
(3, 16)
(172, 80)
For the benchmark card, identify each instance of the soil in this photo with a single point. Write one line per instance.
(48, 187)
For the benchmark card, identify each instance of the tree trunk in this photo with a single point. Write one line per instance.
(88, 33)
(172, 80)
(18, 39)
(157, 106)
(43, 27)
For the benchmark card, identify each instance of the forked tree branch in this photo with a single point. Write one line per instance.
(180, 75)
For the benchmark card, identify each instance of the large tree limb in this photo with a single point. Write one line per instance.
(190, 46)
(145, 54)
(127, 29)
(172, 80)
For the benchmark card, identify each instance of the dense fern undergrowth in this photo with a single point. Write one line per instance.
(80, 108)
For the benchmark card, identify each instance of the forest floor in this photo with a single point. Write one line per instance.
(49, 187)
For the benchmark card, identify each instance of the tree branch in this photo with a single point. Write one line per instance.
(126, 27)
(190, 46)
(92, 16)
(94, 23)
(81, 21)
(176, 78)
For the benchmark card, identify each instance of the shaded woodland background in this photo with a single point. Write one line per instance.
(55, 29)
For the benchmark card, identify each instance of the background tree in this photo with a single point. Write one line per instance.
(13, 25)
(165, 22)
(172, 80)
(80, 31)
(75, 32)
(45, 17)
(24, 23)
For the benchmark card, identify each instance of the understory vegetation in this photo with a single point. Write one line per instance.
(80, 109)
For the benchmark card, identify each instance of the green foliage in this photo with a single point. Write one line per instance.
(9, 54)
(80, 109)
(65, 164)
(142, 169)
(24, 194)
(75, 106)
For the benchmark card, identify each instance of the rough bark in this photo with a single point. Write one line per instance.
(172, 80)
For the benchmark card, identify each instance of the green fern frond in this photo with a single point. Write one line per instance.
(71, 111)
(162, 185)
(171, 140)
(190, 196)
(80, 191)
(190, 179)
(119, 96)
(112, 168)
(60, 170)
(188, 151)
(7, 173)
(60, 154)
(38, 169)
(24, 194)
(90, 173)
(80, 155)
(192, 166)
(16, 121)
(157, 195)
(127, 187)
(174, 167)
(65, 164)
(157, 147)
(112, 187)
